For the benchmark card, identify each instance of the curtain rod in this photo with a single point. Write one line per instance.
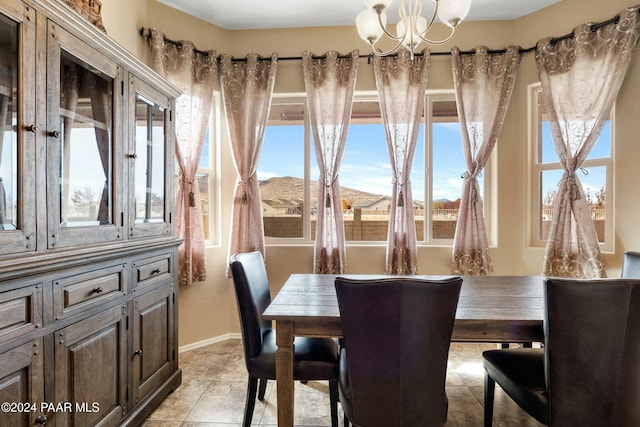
(144, 32)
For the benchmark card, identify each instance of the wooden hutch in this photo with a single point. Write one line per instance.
(88, 254)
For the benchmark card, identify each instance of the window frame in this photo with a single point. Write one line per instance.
(537, 167)
(426, 239)
(307, 238)
(213, 171)
(487, 176)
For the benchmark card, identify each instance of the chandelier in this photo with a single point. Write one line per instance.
(412, 28)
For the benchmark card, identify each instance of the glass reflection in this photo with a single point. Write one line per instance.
(149, 166)
(8, 124)
(86, 113)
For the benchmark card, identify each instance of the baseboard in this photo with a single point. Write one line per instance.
(208, 341)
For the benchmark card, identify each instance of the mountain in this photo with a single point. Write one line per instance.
(291, 189)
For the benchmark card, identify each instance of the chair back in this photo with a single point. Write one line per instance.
(397, 333)
(253, 296)
(631, 265)
(592, 349)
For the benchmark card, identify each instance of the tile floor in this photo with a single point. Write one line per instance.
(214, 384)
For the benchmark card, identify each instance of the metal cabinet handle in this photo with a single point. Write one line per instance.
(42, 419)
(138, 353)
(155, 271)
(132, 156)
(98, 290)
(32, 128)
(54, 134)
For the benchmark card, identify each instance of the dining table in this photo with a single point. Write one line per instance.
(491, 309)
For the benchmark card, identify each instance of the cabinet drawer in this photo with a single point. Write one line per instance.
(149, 271)
(82, 291)
(20, 312)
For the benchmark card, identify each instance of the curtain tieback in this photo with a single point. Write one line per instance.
(245, 197)
(192, 197)
(574, 190)
(400, 201)
(474, 189)
(327, 199)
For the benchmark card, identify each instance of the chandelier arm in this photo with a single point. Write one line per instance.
(384, 28)
(385, 53)
(430, 22)
(415, 12)
(438, 42)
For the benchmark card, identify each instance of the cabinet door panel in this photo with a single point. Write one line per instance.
(18, 128)
(150, 176)
(90, 360)
(153, 356)
(21, 381)
(82, 176)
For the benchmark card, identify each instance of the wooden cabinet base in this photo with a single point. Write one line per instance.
(142, 411)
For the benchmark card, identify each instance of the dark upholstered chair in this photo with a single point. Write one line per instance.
(631, 265)
(588, 372)
(315, 358)
(393, 364)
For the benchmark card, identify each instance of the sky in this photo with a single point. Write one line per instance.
(366, 164)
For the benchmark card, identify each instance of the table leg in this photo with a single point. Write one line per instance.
(284, 372)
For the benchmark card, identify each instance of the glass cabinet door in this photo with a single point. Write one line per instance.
(148, 171)
(18, 129)
(82, 173)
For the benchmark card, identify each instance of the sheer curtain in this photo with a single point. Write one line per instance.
(401, 84)
(580, 78)
(247, 86)
(329, 83)
(483, 83)
(194, 74)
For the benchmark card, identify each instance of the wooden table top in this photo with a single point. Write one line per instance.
(490, 308)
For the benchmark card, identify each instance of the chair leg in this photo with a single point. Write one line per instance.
(489, 391)
(262, 389)
(333, 400)
(252, 389)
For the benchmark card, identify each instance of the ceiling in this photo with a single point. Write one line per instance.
(263, 14)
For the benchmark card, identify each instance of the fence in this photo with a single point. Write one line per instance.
(597, 214)
(372, 224)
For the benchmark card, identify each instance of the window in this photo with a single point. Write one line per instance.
(445, 168)
(595, 175)
(207, 178)
(288, 173)
(283, 172)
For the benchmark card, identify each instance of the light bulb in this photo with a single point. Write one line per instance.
(368, 25)
(452, 12)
